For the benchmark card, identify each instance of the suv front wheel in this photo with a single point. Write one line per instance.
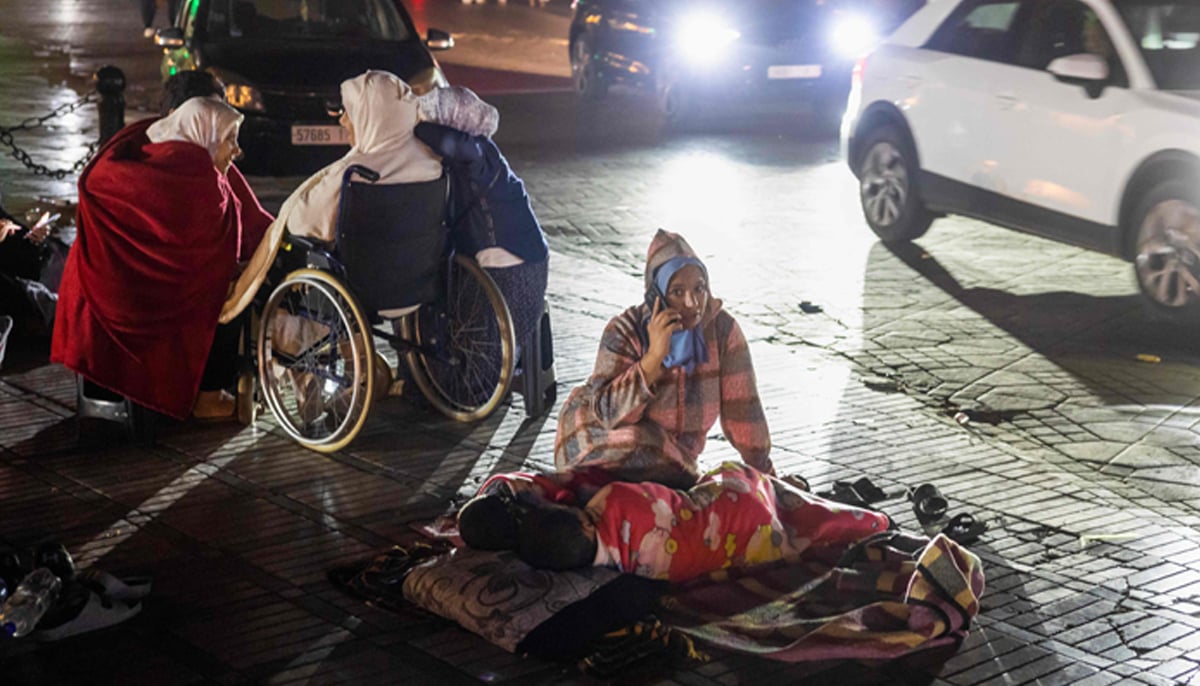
(1167, 257)
(887, 187)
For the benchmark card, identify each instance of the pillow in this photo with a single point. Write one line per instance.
(497, 596)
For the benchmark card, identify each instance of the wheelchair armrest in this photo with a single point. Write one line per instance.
(304, 244)
(310, 252)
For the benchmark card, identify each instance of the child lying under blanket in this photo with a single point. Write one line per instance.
(735, 516)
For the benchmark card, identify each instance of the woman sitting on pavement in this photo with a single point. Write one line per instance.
(490, 214)
(667, 369)
(735, 516)
(159, 226)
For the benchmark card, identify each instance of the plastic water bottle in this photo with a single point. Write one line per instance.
(28, 602)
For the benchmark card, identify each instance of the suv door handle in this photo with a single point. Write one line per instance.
(1007, 101)
(911, 80)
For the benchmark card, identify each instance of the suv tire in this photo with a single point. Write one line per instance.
(589, 84)
(887, 174)
(1166, 253)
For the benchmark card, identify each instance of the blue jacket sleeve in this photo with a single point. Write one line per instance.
(450, 144)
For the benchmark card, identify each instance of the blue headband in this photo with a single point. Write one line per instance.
(662, 275)
(688, 347)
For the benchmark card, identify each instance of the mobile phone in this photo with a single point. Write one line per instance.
(653, 294)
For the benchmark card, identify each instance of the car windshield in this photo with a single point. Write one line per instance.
(287, 20)
(1168, 34)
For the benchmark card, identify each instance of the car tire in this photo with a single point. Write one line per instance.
(585, 73)
(888, 193)
(1166, 247)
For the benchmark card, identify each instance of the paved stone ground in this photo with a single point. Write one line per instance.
(1082, 457)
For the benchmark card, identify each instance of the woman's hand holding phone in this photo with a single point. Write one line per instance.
(664, 322)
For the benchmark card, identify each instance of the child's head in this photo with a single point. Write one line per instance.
(556, 537)
(488, 522)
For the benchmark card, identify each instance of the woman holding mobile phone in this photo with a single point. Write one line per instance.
(667, 369)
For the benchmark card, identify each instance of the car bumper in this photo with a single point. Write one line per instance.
(766, 80)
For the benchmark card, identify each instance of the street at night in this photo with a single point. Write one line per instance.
(1027, 379)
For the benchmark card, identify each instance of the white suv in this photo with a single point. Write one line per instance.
(1077, 120)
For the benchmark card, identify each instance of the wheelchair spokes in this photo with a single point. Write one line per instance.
(315, 353)
(464, 346)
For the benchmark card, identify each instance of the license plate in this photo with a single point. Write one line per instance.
(319, 135)
(794, 71)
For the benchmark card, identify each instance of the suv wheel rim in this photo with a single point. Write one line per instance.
(884, 188)
(1168, 253)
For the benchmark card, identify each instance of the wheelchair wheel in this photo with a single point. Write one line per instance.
(466, 347)
(315, 358)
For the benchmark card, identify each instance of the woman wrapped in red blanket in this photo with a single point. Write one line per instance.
(735, 516)
(159, 230)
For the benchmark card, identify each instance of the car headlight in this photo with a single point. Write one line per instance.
(704, 37)
(244, 97)
(424, 81)
(854, 35)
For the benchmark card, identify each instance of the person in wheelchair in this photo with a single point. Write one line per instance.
(667, 369)
(379, 112)
(159, 226)
(490, 214)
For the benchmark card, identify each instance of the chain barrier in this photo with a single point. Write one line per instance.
(6, 139)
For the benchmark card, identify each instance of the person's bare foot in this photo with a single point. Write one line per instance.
(215, 405)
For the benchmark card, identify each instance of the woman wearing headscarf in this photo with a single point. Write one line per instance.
(490, 214)
(159, 227)
(667, 369)
(379, 112)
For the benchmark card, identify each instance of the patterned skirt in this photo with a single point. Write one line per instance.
(524, 289)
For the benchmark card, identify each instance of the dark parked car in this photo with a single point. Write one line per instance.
(282, 62)
(702, 54)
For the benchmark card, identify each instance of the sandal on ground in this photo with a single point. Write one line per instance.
(964, 529)
(928, 503)
(128, 589)
(861, 493)
(88, 612)
(864, 488)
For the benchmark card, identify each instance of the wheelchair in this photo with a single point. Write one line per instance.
(394, 276)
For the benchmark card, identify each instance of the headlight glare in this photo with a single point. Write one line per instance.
(854, 35)
(244, 97)
(704, 37)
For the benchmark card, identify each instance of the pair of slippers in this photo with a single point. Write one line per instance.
(930, 506)
(93, 600)
(859, 493)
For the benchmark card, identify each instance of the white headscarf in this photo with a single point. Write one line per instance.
(459, 108)
(383, 110)
(202, 121)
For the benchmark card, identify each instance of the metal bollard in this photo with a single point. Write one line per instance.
(110, 83)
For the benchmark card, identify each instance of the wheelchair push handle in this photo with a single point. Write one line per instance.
(365, 172)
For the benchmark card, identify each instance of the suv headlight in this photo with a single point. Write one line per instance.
(704, 37)
(244, 97)
(854, 35)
